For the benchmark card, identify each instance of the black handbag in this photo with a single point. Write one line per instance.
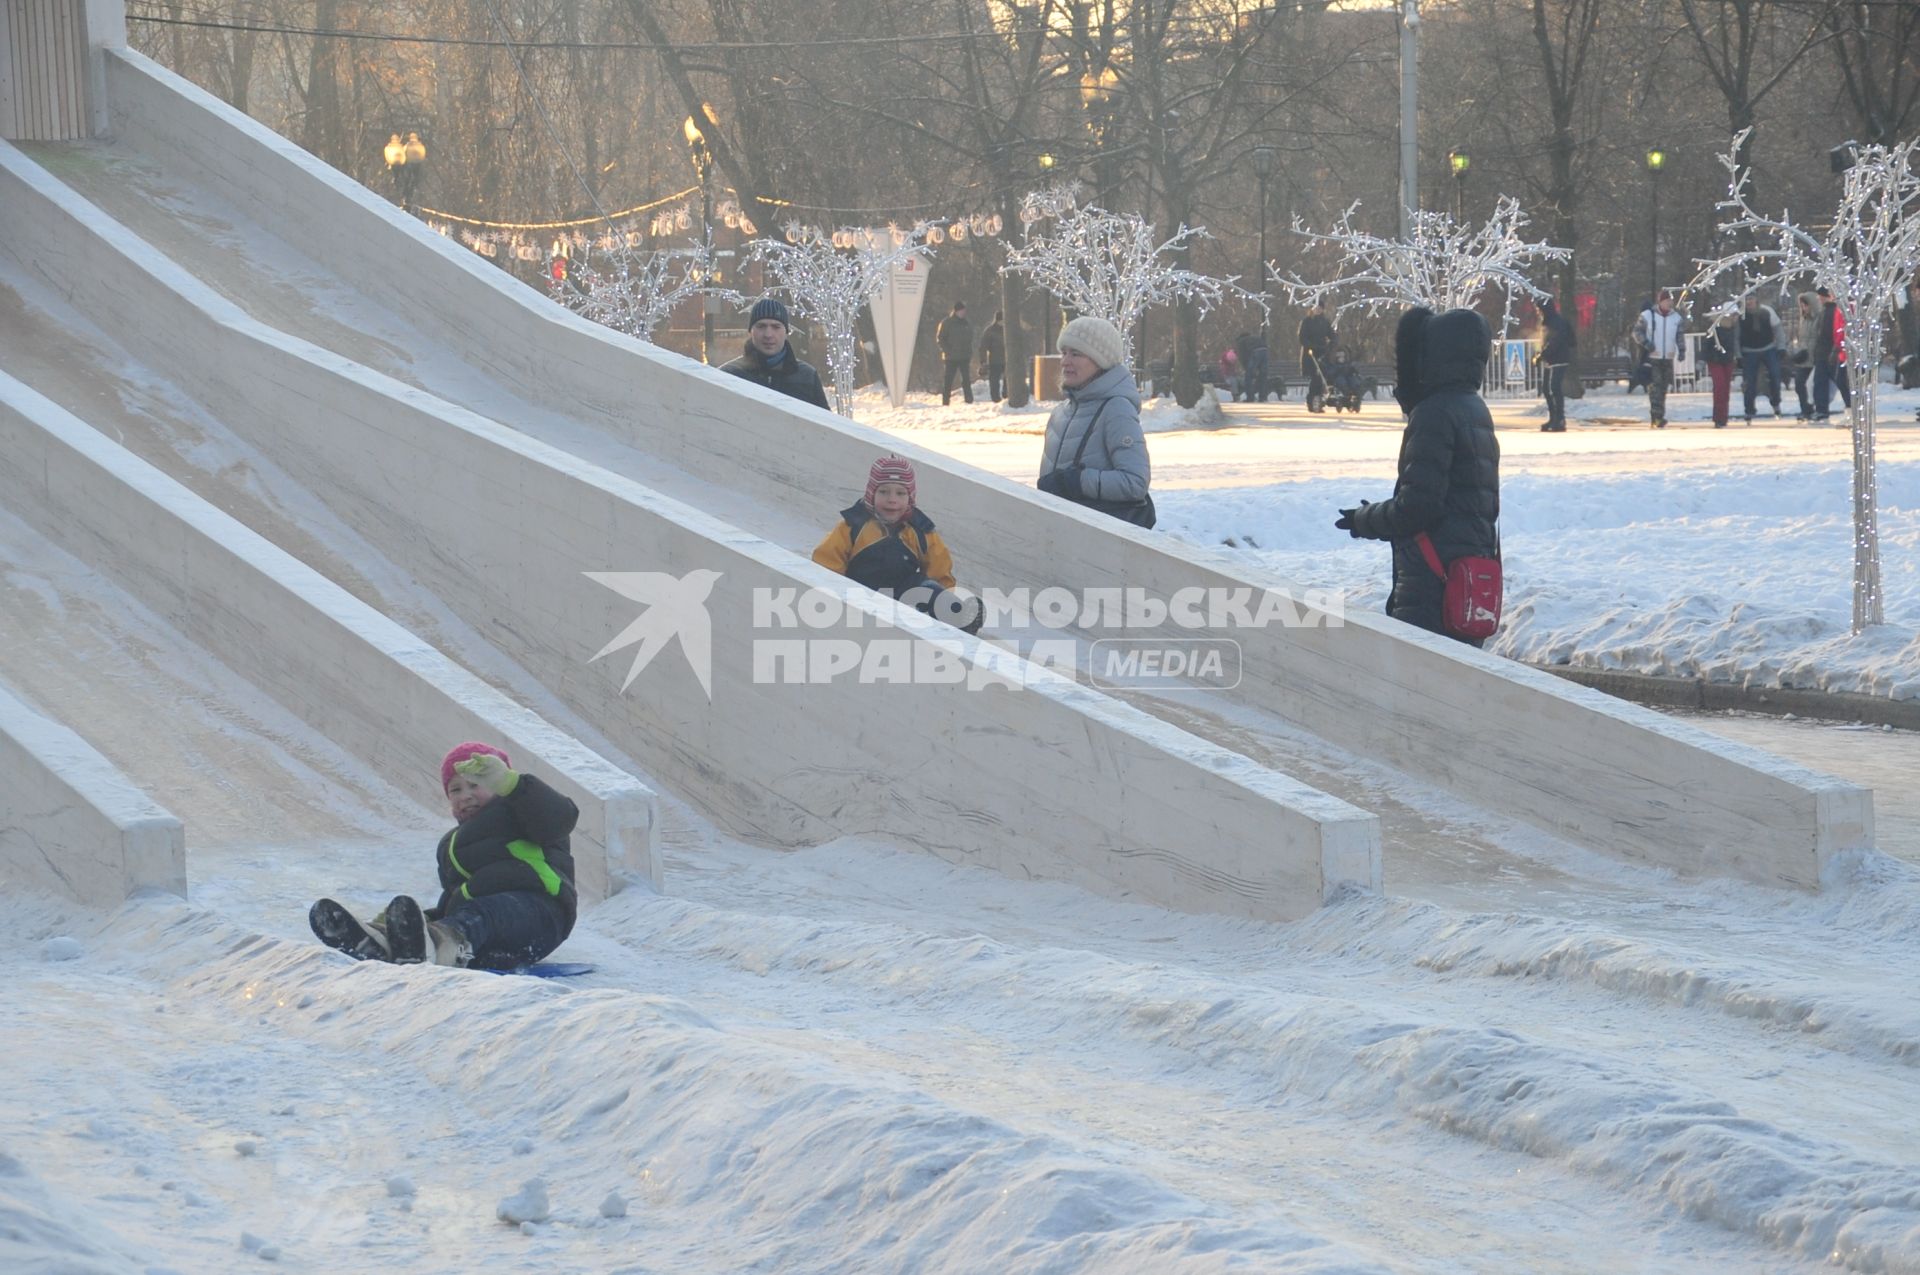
(1140, 512)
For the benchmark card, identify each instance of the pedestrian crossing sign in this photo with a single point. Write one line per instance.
(1516, 362)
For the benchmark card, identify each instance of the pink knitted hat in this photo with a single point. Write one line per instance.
(890, 469)
(459, 753)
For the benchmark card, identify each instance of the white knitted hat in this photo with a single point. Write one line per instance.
(1095, 338)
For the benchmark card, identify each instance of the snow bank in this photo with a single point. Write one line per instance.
(1736, 573)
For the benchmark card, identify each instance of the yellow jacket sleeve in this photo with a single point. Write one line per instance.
(834, 552)
(939, 561)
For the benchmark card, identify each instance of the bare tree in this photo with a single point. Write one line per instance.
(1566, 33)
(1877, 47)
(1867, 257)
(1737, 44)
(1113, 266)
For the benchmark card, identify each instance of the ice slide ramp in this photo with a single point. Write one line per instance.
(511, 533)
(378, 693)
(1515, 743)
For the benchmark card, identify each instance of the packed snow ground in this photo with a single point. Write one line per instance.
(1690, 551)
(856, 1058)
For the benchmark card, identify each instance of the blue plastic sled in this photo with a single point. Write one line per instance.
(550, 969)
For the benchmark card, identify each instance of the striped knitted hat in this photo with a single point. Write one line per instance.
(890, 469)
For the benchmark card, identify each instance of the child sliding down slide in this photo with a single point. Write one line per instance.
(506, 877)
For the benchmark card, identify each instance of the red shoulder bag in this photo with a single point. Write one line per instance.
(1470, 607)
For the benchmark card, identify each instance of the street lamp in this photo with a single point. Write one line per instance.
(702, 166)
(1459, 162)
(1263, 164)
(405, 160)
(1656, 164)
(1099, 94)
(1045, 161)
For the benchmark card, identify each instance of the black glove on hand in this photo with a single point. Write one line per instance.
(1064, 483)
(1345, 522)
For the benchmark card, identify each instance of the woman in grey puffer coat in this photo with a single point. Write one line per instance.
(1095, 453)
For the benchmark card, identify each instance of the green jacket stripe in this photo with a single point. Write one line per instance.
(536, 858)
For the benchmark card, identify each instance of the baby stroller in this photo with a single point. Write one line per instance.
(1345, 385)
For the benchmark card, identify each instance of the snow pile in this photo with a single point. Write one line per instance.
(528, 1204)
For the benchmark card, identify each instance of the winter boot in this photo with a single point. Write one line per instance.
(406, 931)
(342, 931)
(449, 945)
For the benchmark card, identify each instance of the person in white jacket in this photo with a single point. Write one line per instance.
(1658, 333)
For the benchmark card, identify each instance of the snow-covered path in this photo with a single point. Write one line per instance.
(1436, 1089)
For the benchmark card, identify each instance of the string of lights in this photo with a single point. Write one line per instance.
(565, 224)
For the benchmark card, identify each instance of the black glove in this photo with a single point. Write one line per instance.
(1345, 522)
(1064, 483)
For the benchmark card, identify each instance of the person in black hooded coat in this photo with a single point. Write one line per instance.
(1449, 485)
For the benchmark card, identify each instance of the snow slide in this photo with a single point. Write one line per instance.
(1519, 744)
(420, 480)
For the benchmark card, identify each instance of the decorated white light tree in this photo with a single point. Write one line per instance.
(829, 276)
(1866, 258)
(1442, 264)
(635, 290)
(1111, 266)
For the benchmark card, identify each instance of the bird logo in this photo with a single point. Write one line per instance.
(676, 608)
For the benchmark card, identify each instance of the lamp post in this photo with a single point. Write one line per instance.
(703, 165)
(1099, 94)
(1046, 161)
(405, 160)
(1656, 164)
(1459, 162)
(1263, 164)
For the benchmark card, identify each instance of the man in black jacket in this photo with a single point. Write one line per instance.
(1556, 352)
(955, 337)
(1760, 344)
(1316, 345)
(769, 359)
(993, 356)
(1449, 484)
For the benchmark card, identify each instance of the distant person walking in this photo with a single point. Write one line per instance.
(769, 359)
(1256, 370)
(1449, 486)
(1805, 337)
(1556, 352)
(1907, 364)
(1830, 357)
(1658, 333)
(955, 335)
(1316, 346)
(1760, 341)
(993, 356)
(1718, 348)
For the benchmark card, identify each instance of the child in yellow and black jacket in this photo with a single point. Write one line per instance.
(887, 544)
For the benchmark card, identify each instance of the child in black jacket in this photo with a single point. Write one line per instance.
(506, 876)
